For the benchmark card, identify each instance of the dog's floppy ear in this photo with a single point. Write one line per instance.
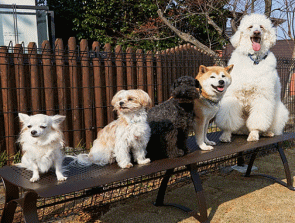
(57, 119)
(229, 68)
(270, 37)
(24, 118)
(235, 39)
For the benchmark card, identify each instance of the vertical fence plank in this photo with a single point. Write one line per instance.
(99, 87)
(168, 72)
(7, 100)
(76, 120)
(61, 86)
(150, 75)
(130, 68)
(159, 77)
(109, 81)
(87, 99)
(173, 64)
(119, 67)
(48, 79)
(35, 91)
(20, 78)
(140, 70)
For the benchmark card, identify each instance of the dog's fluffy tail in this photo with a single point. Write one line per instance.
(81, 159)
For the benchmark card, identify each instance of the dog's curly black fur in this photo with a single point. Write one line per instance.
(172, 120)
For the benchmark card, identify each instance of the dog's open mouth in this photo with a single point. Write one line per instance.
(256, 43)
(218, 88)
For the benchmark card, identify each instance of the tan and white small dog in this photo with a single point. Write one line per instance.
(42, 141)
(214, 81)
(130, 132)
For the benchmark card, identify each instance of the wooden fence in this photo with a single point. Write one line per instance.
(79, 81)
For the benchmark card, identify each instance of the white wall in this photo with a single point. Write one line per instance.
(26, 24)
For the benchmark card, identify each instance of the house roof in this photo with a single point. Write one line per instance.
(282, 48)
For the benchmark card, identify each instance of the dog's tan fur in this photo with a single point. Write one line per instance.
(207, 105)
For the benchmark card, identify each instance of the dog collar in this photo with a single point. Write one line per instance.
(258, 59)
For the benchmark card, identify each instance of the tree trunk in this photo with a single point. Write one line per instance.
(268, 4)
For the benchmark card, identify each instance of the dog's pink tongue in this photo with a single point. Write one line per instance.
(256, 46)
(220, 88)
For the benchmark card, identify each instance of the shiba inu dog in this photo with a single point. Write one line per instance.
(213, 81)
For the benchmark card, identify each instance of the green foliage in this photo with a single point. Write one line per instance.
(4, 158)
(130, 23)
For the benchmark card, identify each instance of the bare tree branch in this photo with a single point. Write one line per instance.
(186, 37)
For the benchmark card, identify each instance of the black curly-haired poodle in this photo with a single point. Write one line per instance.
(172, 120)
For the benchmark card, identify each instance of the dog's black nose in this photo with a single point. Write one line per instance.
(256, 33)
(121, 103)
(33, 132)
(221, 82)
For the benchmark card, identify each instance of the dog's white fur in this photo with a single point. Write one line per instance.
(214, 82)
(252, 104)
(130, 132)
(42, 141)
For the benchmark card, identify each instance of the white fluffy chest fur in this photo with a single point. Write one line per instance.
(136, 128)
(250, 81)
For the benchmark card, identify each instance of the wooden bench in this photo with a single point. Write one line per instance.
(94, 177)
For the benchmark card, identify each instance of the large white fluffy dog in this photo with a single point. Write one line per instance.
(252, 103)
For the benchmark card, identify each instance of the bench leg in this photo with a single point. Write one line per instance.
(289, 183)
(11, 193)
(202, 217)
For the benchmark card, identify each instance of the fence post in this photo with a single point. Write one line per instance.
(109, 81)
(7, 101)
(76, 120)
(99, 88)
(35, 91)
(173, 64)
(61, 86)
(130, 68)
(20, 78)
(139, 69)
(150, 75)
(119, 66)
(159, 77)
(87, 99)
(48, 79)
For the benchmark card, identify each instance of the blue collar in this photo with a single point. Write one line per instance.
(258, 59)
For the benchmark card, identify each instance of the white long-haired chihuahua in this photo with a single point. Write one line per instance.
(41, 140)
(129, 133)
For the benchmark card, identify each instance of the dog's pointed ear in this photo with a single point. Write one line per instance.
(57, 119)
(203, 69)
(229, 68)
(24, 118)
(236, 38)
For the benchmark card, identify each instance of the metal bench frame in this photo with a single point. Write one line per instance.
(94, 176)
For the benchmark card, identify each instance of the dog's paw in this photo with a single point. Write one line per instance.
(125, 165)
(206, 147)
(253, 136)
(144, 161)
(268, 134)
(211, 143)
(225, 137)
(61, 178)
(34, 179)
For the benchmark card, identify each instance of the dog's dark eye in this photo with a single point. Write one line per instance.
(212, 77)
(130, 99)
(261, 27)
(43, 127)
(29, 126)
(250, 27)
(223, 75)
